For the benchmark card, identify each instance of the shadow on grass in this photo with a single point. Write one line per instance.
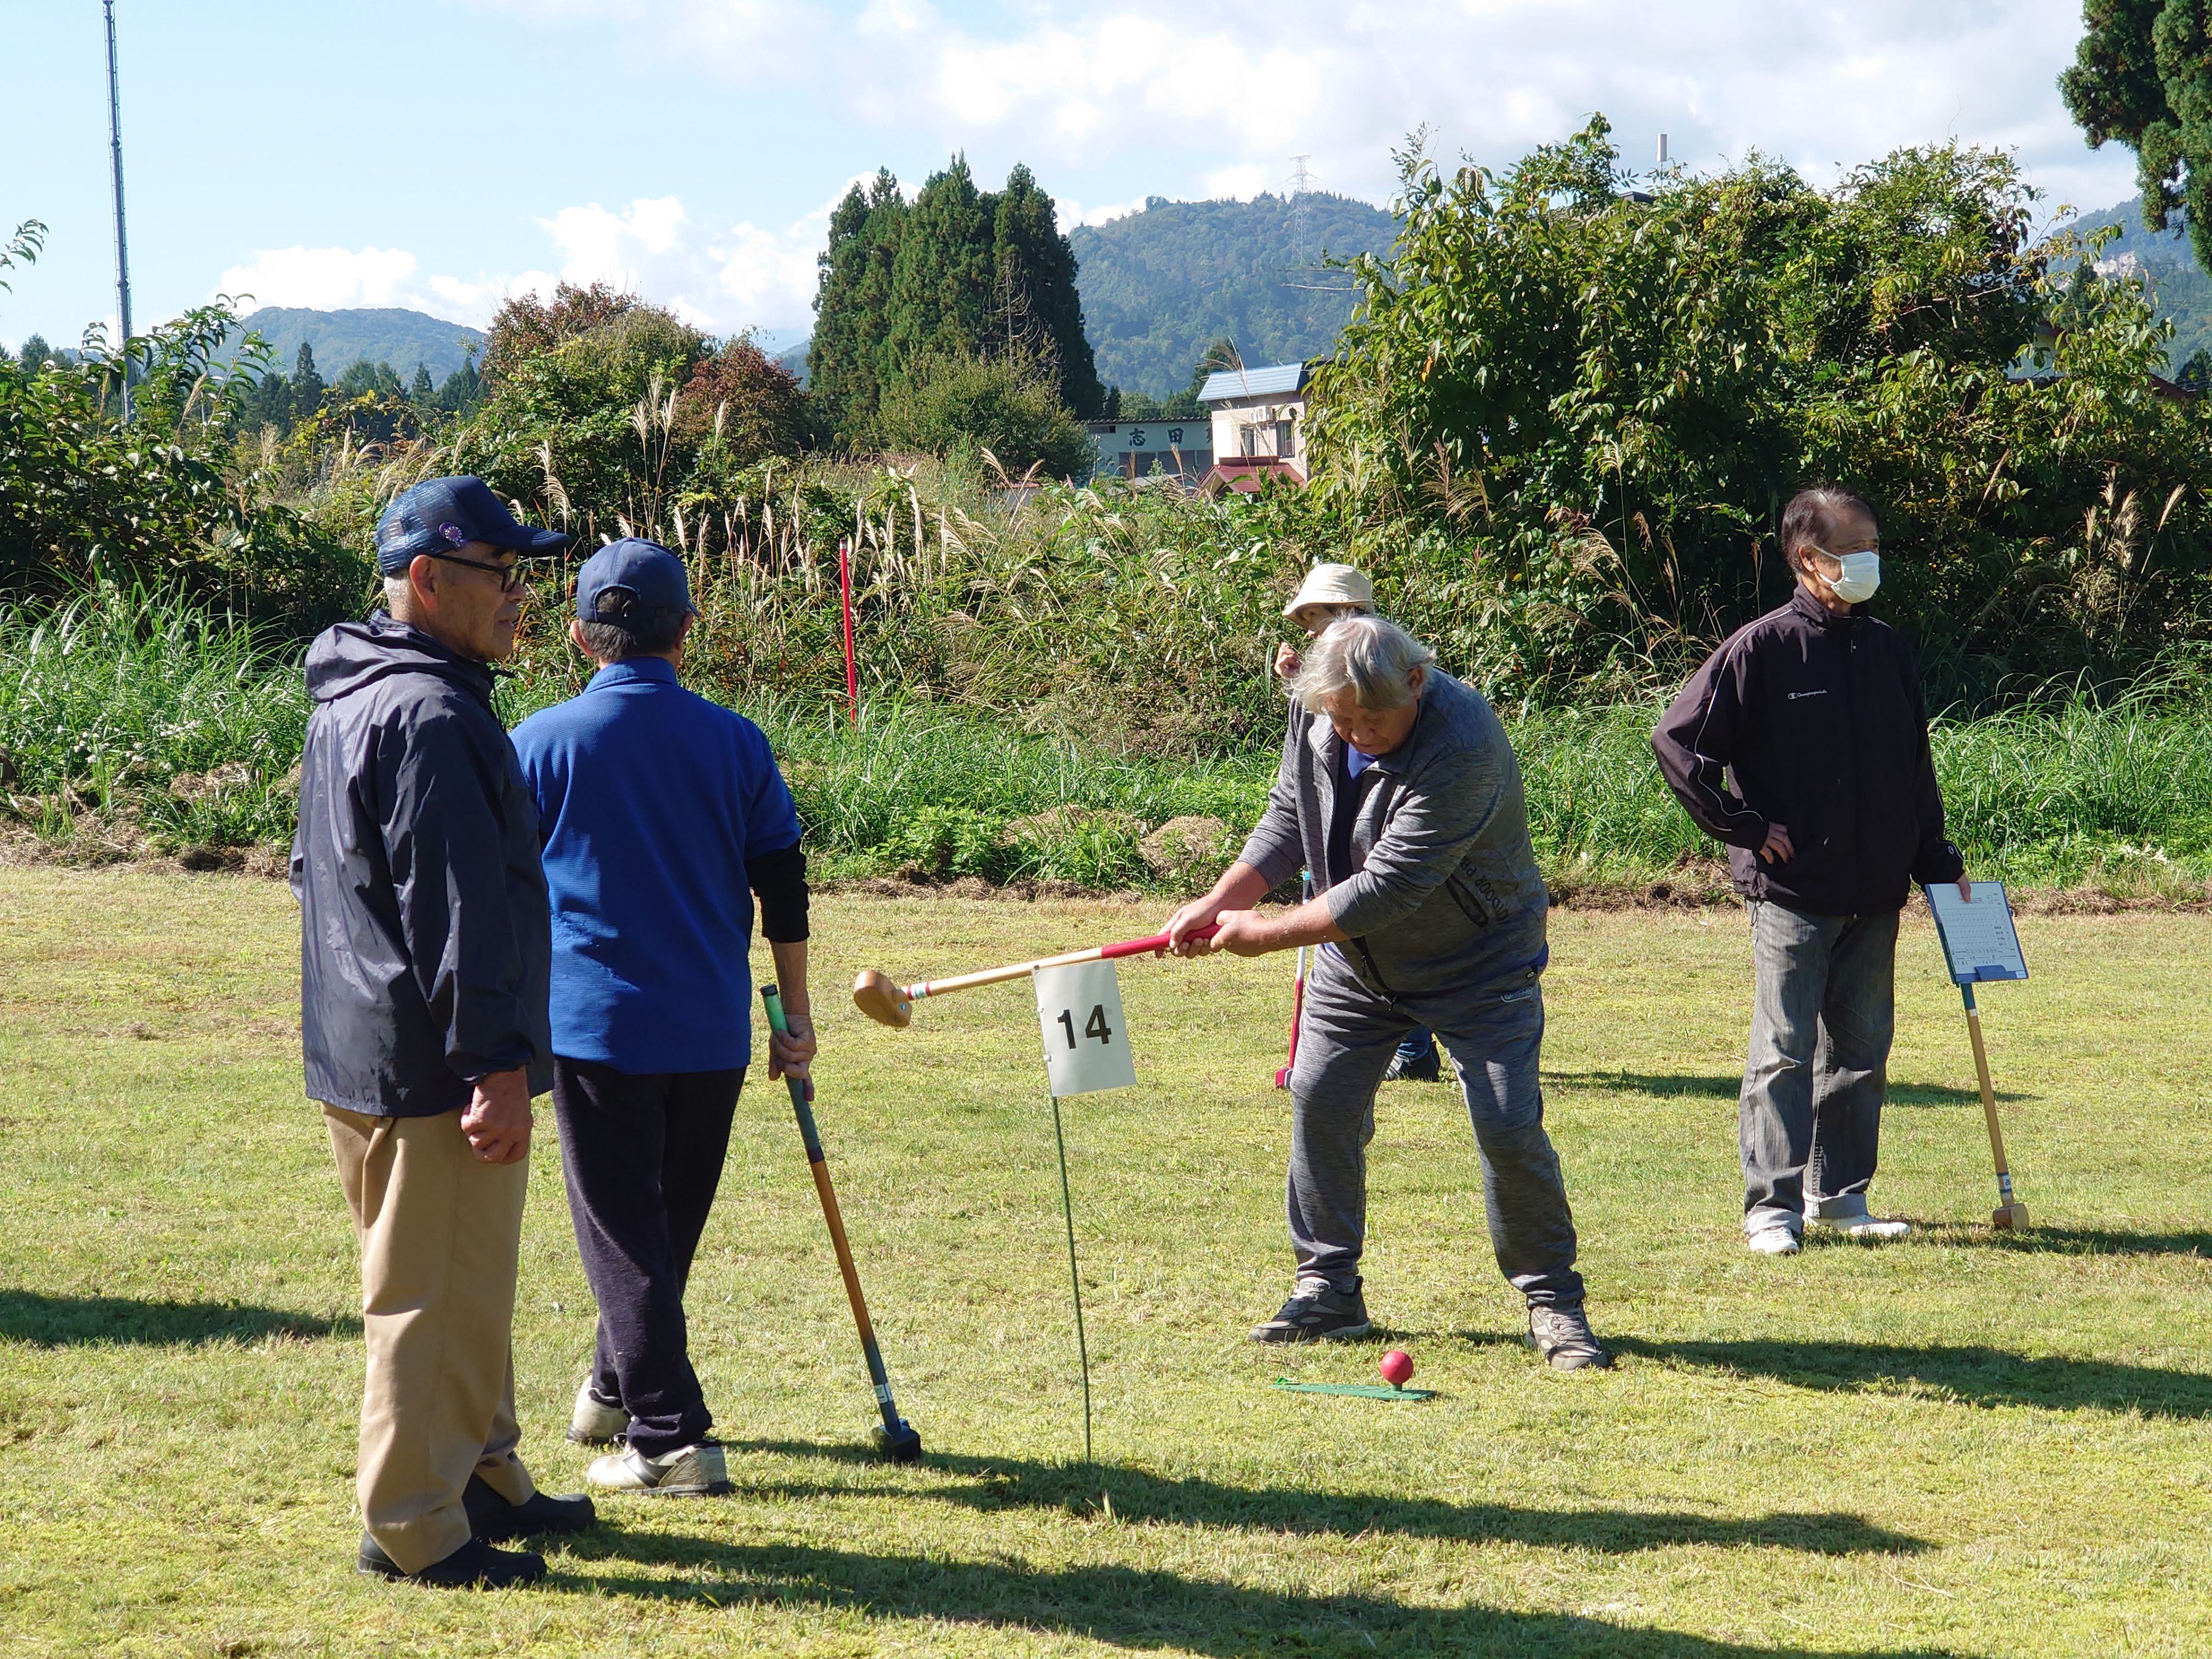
(65, 1321)
(1977, 1376)
(1129, 1607)
(988, 1484)
(2085, 1241)
(1668, 1086)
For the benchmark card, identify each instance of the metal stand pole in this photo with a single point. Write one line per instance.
(1074, 1278)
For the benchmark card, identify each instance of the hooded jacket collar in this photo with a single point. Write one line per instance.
(354, 655)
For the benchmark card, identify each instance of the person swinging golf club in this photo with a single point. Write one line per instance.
(1331, 591)
(1398, 791)
(1802, 745)
(665, 817)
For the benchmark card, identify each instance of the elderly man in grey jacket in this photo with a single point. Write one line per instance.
(1398, 791)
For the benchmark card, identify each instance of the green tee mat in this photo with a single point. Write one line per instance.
(1357, 1390)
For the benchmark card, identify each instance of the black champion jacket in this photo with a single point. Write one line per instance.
(1815, 721)
(425, 939)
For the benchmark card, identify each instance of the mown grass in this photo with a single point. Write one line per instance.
(1966, 1444)
(180, 728)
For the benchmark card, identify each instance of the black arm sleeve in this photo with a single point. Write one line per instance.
(779, 880)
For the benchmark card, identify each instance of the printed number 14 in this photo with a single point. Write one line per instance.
(1096, 1026)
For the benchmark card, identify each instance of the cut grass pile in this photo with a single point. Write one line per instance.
(152, 721)
(1968, 1443)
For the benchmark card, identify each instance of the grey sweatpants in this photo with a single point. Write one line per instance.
(1808, 1125)
(1493, 1033)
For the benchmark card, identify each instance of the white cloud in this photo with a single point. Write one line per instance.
(1191, 97)
(744, 276)
(325, 278)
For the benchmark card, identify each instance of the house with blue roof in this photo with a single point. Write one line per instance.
(1259, 417)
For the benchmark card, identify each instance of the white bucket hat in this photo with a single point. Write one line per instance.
(1332, 584)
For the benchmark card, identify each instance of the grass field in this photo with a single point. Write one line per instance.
(1964, 1444)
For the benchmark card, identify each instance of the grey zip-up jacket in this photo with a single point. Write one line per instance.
(1444, 891)
(425, 940)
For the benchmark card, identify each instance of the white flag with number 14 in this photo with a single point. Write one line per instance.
(1080, 1012)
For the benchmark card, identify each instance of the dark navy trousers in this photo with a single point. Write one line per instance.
(643, 1155)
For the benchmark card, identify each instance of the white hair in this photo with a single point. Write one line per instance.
(1368, 655)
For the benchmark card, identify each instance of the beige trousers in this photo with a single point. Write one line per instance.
(440, 1233)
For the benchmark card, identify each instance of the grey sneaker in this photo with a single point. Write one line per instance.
(594, 1422)
(694, 1471)
(1564, 1337)
(1316, 1312)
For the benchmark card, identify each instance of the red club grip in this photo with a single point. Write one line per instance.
(1138, 947)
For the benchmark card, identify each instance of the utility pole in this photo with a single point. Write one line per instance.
(121, 248)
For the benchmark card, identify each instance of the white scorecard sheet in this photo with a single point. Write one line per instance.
(1978, 941)
(1086, 1047)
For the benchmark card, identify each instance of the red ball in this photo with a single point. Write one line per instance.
(1397, 1368)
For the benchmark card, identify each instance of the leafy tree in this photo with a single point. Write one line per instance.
(35, 354)
(367, 379)
(1600, 402)
(741, 400)
(2142, 75)
(852, 301)
(307, 387)
(84, 499)
(461, 392)
(526, 327)
(959, 273)
(962, 405)
(1035, 308)
(270, 403)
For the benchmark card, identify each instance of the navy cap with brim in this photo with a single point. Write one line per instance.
(440, 515)
(631, 581)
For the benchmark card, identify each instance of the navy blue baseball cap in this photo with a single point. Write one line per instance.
(440, 515)
(633, 583)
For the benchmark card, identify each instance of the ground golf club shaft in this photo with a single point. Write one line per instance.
(883, 999)
(2010, 1213)
(897, 1438)
(1297, 992)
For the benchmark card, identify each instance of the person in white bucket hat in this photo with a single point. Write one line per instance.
(1331, 591)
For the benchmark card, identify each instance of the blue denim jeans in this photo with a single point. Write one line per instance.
(1494, 1034)
(1808, 1125)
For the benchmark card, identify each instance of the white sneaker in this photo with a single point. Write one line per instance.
(594, 1422)
(1773, 1240)
(697, 1471)
(1874, 1230)
(1848, 1215)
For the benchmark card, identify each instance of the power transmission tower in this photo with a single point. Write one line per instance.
(121, 247)
(1301, 179)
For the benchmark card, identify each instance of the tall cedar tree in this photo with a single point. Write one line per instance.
(960, 273)
(306, 384)
(2143, 75)
(852, 300)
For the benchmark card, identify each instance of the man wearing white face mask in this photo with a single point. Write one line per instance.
(1803, 746)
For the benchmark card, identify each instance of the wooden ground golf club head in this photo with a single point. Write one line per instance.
(878, 996)
(2009, 1218)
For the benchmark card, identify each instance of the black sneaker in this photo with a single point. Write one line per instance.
(475, 1565)
(494, 1520)
(1424, 1067)
(1564, 1337)
(1316, 1312)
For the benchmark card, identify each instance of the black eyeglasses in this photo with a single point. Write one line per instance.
(510, 575)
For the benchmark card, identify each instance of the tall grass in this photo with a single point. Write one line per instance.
(144, 716)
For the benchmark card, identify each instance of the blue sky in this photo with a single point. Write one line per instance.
(441, 154)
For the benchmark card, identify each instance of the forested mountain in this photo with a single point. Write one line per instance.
(343, 339)
(2165, 260)
(1160, 286)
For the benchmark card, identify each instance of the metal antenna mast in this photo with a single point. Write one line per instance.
(121, 248)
